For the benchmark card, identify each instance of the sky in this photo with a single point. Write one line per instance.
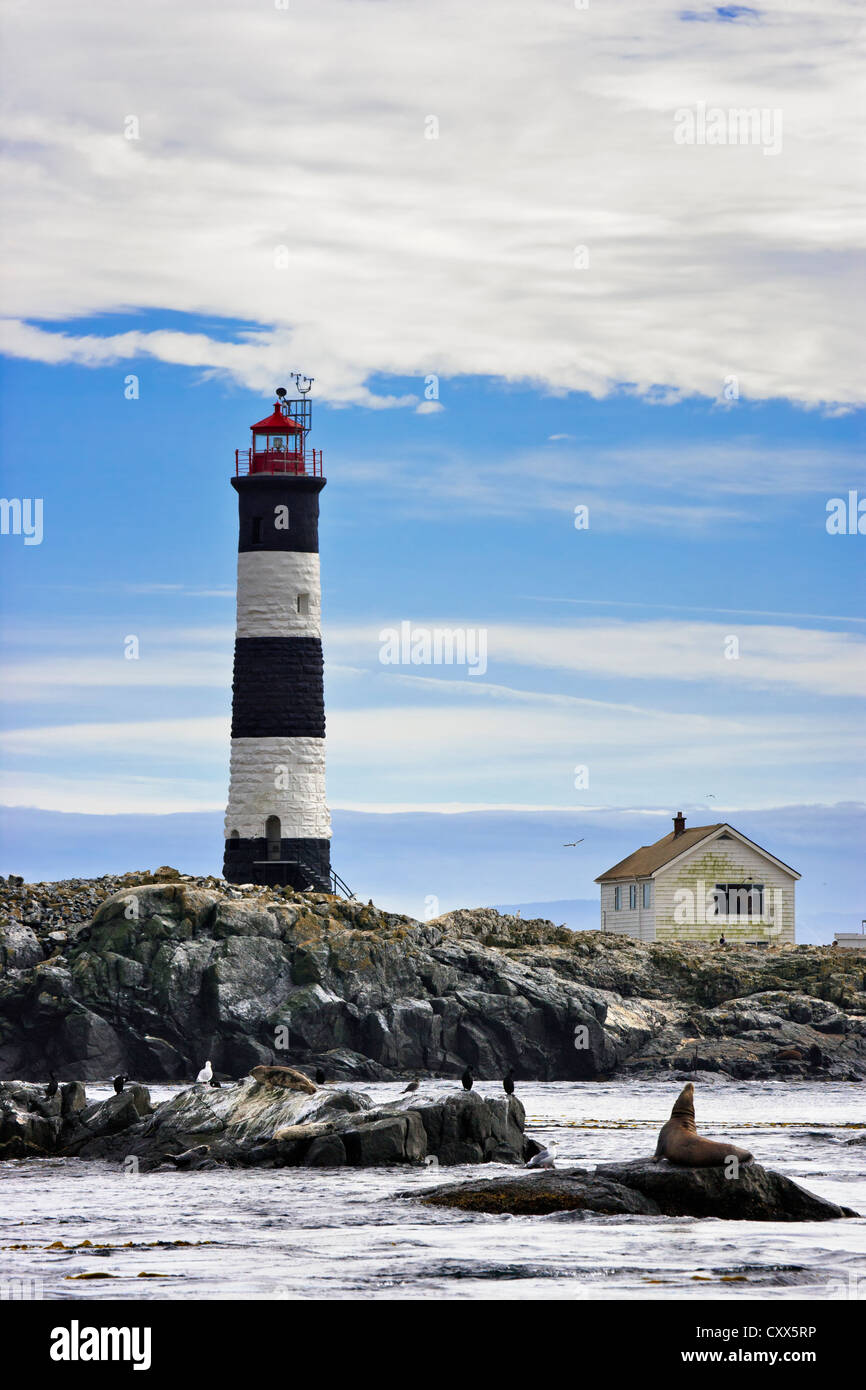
(586, 387)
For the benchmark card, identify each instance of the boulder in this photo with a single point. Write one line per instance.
(19, 947)
(30, 1121)
(542, 1193)
(96, 1123)
(752, 1194)
(642, 1188)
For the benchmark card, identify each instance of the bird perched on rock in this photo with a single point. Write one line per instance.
(413, 1086)
(467, 1078)
(508, 1083)
(205, 1074)
(545, 1158)
(320, 1077)
(216, 1084)
(119, 1083)
(51, 1088)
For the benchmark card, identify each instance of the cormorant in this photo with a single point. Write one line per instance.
(320, 1077)
(51, 1088)
(213, 1082)
(413, 1086)
(467, 1078)
(508, 1083)
(119, 1083)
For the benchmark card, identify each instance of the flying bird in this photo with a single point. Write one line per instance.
(570, 844)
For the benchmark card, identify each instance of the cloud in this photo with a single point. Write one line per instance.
(767, 657)
(449, 749)
(696, 487)
(279, 177)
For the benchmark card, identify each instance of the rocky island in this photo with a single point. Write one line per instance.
(151, 973)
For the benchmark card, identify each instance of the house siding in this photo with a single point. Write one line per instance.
(638, 922)
(724, 861)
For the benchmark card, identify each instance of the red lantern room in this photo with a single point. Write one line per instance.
(279, 442)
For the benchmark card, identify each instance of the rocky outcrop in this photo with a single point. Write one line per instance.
(257, 1124)
(541, 1194)
(151, 974)
(35, 1125)
(644, 1188)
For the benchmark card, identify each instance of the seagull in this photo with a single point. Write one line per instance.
(119, 1083)
(570, 844)
(545, 1159)
(413, 1086)
(467, 1078)
(205, 1074)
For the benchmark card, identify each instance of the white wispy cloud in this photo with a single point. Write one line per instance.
(796, 658)
(261, 128)
(666, 652)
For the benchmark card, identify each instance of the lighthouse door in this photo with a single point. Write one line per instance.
(272, 832)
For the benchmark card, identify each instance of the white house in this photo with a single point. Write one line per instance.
(700, 884)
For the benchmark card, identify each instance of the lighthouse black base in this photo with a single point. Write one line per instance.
(302, 864)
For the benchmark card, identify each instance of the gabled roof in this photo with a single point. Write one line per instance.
(647, 860)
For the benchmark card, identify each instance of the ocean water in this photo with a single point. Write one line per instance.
(353, 1234)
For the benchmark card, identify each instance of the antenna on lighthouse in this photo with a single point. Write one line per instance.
(298, 378)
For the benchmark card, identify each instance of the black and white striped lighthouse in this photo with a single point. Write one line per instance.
(277, 825)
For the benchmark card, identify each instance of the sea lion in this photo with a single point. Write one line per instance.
(679, 1141)
(789, 1054)
(286, 1077)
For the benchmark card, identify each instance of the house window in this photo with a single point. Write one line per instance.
(646, 894)
(632, 895)
(739, 900)
(617, 897)
(304, 605)
(258, 529)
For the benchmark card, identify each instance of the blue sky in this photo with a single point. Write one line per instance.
(700, 644)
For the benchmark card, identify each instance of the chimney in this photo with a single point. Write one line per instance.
(679, 824)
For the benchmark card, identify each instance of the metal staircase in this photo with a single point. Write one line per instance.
(339, 888)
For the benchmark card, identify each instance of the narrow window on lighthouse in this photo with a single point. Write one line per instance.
(258, 529)
(304, 605)
(272, 833)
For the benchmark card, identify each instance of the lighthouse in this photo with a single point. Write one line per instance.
(277, 827)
